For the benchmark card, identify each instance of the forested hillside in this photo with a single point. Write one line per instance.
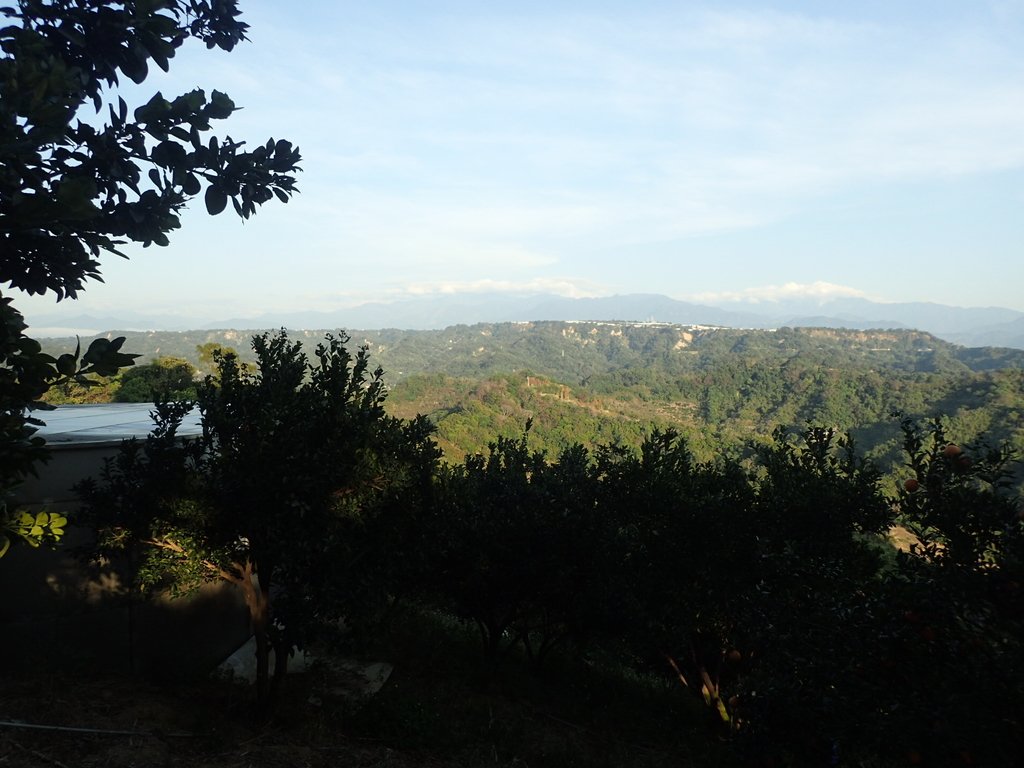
(599, 382)
(576, 352)
(764, 583)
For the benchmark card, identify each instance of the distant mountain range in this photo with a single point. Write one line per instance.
(969, 326)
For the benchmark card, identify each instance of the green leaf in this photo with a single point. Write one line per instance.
(57, 524)
(97, 348)
(67, 364)
(29, 346)
(216, 200)
(190, 184)
(74, 195)
(134, 64)
(221, 106)
(168, 154)
(153, 109)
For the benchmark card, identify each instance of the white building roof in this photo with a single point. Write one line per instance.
(71, 425)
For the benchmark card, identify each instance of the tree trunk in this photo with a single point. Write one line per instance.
(282, 651)
(257, 599)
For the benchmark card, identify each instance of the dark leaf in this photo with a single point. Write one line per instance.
(190, 184)
(216, 199)
(67, 364)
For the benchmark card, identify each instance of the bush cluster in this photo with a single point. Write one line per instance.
(768, 587)
(765, 584)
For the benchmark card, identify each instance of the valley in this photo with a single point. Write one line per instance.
(602, 383)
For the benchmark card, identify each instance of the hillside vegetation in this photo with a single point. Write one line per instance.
(608, 382)
(761, 583)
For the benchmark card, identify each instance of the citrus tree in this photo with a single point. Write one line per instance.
(522, 549)
(956, 605)
(297, 460)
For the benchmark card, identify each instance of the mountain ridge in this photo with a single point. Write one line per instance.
(970, 326)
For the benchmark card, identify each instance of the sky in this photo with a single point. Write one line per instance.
(701, 151)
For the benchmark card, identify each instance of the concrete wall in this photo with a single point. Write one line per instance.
(59, 611)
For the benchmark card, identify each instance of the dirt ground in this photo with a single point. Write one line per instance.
(438, 707)
(127, 724)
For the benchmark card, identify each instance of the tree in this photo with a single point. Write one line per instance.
(26, 373)
(690, 551)
(208, 353)
(73, 187)
(166, 378)
(296, 457)
(70, 190)
(958, 628)
(521, 549)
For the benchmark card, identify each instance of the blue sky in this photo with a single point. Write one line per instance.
(695, 150)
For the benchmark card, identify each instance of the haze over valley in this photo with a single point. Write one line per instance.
(974, 327)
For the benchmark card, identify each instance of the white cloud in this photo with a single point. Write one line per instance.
(819, 291)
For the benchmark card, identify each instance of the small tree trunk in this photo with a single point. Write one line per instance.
(281, 653)
(262, 662)
(257, 599)
(524, 636)
(490, 634)
(264, 693)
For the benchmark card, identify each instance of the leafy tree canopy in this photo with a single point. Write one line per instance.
(165, 377)
(298, 460)
(73, 187)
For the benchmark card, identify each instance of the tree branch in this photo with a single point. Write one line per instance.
(173, 546)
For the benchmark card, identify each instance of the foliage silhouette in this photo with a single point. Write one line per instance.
(296, 462)
(74, 188)
(166, 378)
